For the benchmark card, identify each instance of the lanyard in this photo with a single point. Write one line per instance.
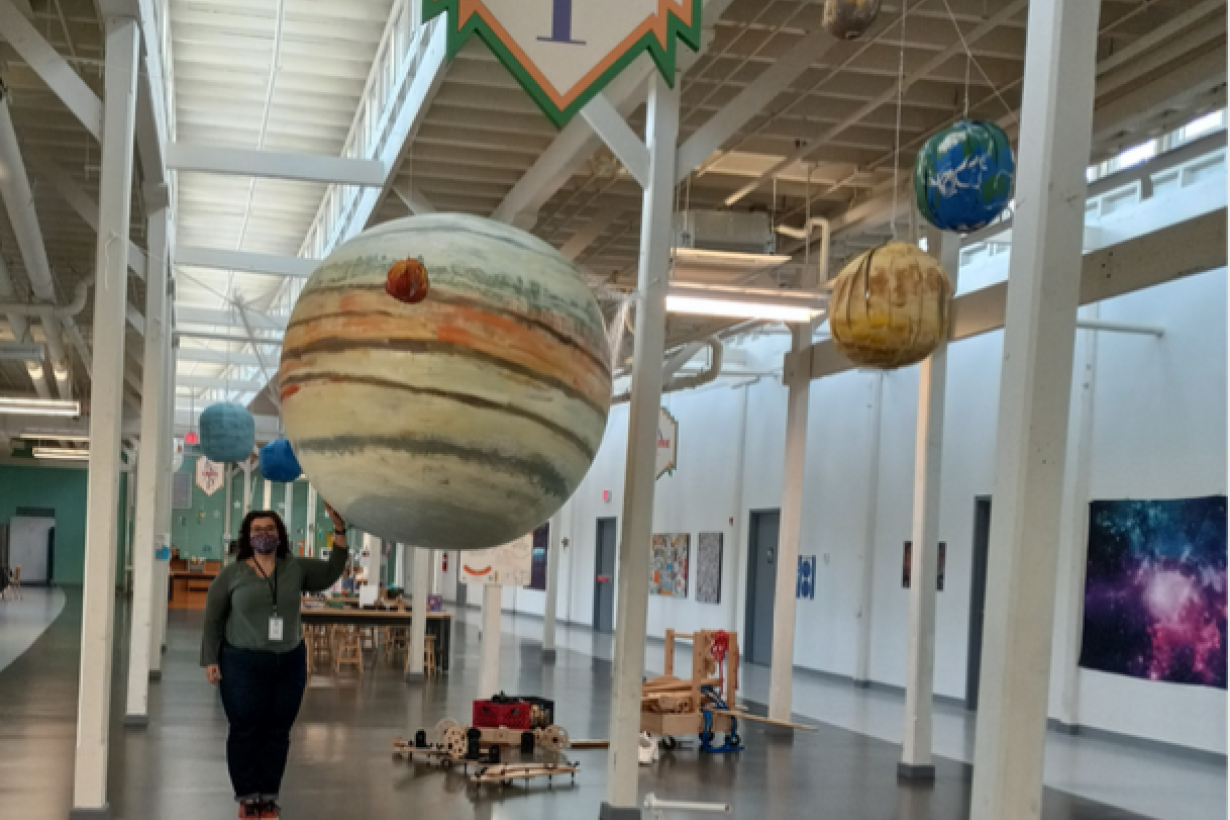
(272, 582)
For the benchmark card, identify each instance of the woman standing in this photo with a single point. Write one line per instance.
(252, 647)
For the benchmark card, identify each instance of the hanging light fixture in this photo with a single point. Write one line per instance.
(38, 407)
(745, 303)
(61, 454)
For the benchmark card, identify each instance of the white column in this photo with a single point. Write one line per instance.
(162, 567)
(267, 504)
(130, 515)
(311, 523)
(398, 578)
(867, 558)
(1034, 400)
(106, 408)
(915, 763)
(1074, 542)
(489, 652)
(229, 474)
(247, 487)
(551, 599)
(154, 451)
(781, 672)
(423, 568)
(632, 593)
(288, 515)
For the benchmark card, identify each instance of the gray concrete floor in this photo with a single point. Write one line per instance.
(341, 766)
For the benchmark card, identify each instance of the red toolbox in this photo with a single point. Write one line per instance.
(492, 714)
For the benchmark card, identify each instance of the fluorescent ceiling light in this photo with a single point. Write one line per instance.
(745, 303)
(62, 453)
(32, 436)
(728, 259)
(38, 407)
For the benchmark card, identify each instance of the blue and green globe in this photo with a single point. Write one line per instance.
(963, 176)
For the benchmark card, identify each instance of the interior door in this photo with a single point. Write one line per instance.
(30, 547)
(977, 599)
(762, 585)
(604, 576)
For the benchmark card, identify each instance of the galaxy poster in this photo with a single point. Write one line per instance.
(1155, 590)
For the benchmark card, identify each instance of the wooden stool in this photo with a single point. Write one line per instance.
(429, 657)
(308, 651)
(396, 639)
(367, 638)
(322, 643)
(15, 580)
(349, 650)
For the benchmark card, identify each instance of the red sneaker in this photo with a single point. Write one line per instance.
(250, 810)
(271, 810)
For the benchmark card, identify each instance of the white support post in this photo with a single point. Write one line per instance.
(106, 406)
(489, 652)
(288, 515)
(247, 487)
(228, 473)
(267, 504)
(781, 671)
(551, 598)
(312, 502)
(1034, 404)
(632, 593)
(867, 558)
(162, 567)
(423, 568)
(1074, 544)
(154, 451)
(915, 763)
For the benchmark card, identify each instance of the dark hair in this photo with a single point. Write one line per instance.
(245, 534)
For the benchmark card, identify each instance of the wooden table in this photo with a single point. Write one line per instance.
(439, 624)
(188, 589)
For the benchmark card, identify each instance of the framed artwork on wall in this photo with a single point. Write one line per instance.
(1155, 590)
(668, 565)
(709, 568)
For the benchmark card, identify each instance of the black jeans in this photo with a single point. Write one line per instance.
(261, 693)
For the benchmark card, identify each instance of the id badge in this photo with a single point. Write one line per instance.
(275, 628)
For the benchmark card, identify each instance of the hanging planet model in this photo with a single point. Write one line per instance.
(890, 307)
(963, 176)
(849, 19)
(228, 432)
(459, 421)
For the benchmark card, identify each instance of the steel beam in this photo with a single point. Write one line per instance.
(213, 159)
(213, 316)
(244, 262)
(610, 125)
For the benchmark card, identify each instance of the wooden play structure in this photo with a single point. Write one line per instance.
(702, 704)
(455, 743)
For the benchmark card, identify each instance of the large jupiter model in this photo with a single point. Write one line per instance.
(445, 381)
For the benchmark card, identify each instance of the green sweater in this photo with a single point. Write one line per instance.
(240, 603)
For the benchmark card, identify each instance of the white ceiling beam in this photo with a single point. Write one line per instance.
(750, 101)
(591, 230)
(151, 125)
(1184, 249)
(81, 203)
(414, 199)
(54, 69)
(135, 319)
(232, 338)
(217, 383)
(1006, 13)
(228, 357)
(609, 124)
(214, 316)
(244, 262)
(186, 156)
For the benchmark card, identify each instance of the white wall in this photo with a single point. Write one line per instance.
(1159, 432)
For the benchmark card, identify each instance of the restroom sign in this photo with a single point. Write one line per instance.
(563, 52)
(668, 443)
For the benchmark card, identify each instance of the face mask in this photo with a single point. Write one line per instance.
(265, 542)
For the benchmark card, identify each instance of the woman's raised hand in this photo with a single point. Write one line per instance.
(338, 522)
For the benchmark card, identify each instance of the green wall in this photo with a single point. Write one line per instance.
(63, 490)
(199, 532)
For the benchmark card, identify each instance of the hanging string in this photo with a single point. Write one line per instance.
(900, 94)
(968, 61)
(969, 54)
